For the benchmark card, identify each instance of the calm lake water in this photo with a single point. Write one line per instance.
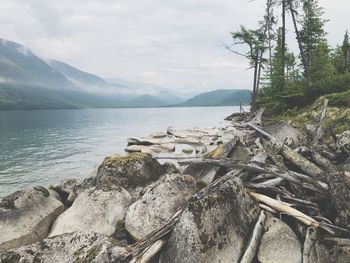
(44, 147)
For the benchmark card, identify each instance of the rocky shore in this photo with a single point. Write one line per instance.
(238, 193)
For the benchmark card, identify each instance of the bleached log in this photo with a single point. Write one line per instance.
(150, 252)
(279, 206)
(294, 177)
(292, 156)
(309, 243)
(252, 248)
(318, 133)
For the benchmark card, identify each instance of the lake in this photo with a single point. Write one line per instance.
(44, 147)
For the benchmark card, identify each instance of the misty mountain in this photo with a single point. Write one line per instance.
(29, 82)
(18, 65)
(77, 76)
(221, 97)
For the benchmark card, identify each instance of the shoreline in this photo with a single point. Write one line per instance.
(219, 178)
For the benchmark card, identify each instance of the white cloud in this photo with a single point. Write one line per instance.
(169, 43)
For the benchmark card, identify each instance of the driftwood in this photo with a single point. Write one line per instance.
(292, 156)
(318, 133)
(294, 177)
(309, 243)
(303, 184)
(281, 207)
(252, 248)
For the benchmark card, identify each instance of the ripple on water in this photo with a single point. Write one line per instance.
(44, 147)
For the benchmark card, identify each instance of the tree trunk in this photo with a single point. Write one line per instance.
(302, 55)
(283, 59)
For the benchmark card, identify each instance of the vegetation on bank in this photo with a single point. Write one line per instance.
(292, 85)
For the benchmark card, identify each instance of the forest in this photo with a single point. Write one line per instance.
(286, 82)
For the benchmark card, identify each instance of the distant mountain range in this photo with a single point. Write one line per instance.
(29, 82)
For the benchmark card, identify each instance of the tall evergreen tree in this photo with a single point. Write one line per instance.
(346, 52)
(315, 48)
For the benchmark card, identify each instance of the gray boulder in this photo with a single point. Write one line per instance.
(65, 189)
(129, 171)
(202, 172)
(279, 244)
(344, 141)
(215, 226)
(73, 247)
(26, 217)
(98, 209)
(284, 131)
(158, 204)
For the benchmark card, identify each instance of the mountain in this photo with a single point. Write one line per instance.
(29, 82)
(18, 65)
(77, 76)
(221, 97)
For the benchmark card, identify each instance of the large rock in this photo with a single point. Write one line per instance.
(129, 171)
(284, 131)
(65, 190)
(98, 209)
(26, 217)
(279, 244)
(206, 173)
(75, 247)
(158, 204)
(331, 250)
(202, 172)
(215, 226)
(344, 141)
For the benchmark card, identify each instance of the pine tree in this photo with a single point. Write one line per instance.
(315, 48)
(346, 52)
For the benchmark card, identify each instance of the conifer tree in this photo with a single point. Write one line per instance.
(346, 52)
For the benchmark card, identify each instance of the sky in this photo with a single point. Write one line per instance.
(175, 44)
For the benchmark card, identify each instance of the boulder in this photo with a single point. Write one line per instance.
(170, 168)
(97, 209)
(344, 141)
(203, 172)
(150, 141)
(188, 150)
(223, 150)
(72, 247)
(129, 171)
(331, 250)
(284, 131)
(168, 147)
(26, 217)
(215, 226)
(64, 189)
(241, 153)
(279, 244)
(158, 204)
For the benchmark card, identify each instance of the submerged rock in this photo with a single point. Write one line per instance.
(73, 247)
(26, 217)
(215, 226)
(98, 209)
(158, 204)
(279, 244)
(129, 171)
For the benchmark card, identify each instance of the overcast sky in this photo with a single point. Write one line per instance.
(171, 43)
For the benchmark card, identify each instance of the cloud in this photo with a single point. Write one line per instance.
(175, 44)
